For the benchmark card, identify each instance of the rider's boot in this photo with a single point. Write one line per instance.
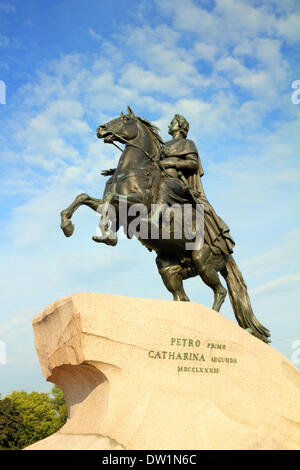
(110, 239)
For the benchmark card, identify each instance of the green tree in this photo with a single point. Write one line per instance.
(59, 404)
(26, 418)
(11, 424)
(39, 416)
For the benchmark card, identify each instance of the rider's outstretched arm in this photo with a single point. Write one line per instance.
(108, 172)
(188, 162)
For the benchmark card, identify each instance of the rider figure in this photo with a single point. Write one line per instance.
(183, 164)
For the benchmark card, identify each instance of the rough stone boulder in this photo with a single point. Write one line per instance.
(154, 374)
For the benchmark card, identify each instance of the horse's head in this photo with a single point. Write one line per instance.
(121, 129)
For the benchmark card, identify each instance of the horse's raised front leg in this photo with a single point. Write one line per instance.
(82, 199)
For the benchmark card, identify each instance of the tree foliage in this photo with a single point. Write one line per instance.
(11, 423)
(26, 418)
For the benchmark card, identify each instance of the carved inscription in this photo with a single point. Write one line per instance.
(206, 358)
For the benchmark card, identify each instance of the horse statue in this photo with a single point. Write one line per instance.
(136, 183)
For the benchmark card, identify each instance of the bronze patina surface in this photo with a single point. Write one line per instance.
(151, 172)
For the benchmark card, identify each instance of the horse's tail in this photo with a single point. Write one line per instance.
(240, 301)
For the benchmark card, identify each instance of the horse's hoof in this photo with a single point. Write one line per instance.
(106, 240)
(97, 239)
(68, 228)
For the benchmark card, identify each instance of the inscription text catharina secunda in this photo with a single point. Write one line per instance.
(194, 355)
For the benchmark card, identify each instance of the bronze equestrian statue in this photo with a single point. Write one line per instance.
(158, 177)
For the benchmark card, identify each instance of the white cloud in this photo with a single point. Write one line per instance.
(258, 82)
(189, 17)
(231, 21)
(228, 36)
(289, 27)
(146, 81)
(4, 41)
(94, 35)
(284, 283)
(11, 324)
(228, 21)
(205, 51)
(45, 136)
(251, 163)
(242, 19)
(279, 258)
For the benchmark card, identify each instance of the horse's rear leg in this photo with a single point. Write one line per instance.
(206, 263)
(82, 199)
(170, 272)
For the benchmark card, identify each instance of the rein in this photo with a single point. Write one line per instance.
(129, 144)
(157, 164)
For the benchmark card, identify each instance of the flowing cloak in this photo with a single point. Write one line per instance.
(216, 232)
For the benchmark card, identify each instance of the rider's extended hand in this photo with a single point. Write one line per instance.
(170, 162)
(108, 172)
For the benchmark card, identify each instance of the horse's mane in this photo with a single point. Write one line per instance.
(158, 143)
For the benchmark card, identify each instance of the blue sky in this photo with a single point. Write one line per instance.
(227, 66)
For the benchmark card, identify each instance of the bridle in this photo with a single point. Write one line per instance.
(130, 144)
(156, 163)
